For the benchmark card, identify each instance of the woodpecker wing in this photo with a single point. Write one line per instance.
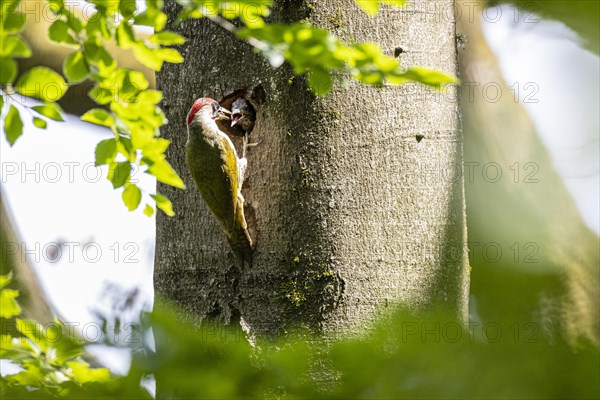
(213, 164)
(230, 168)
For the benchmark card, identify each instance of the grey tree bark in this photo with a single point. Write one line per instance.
(355, 200)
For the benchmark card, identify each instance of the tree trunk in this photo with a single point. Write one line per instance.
(528, 209)
(32, 298)
(355, 200)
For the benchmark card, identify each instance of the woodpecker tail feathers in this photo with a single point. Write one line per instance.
(240, 241)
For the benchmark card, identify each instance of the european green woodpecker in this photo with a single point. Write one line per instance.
(218, 173)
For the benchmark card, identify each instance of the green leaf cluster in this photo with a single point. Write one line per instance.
(49, 355)
(39, 82)
(312, 50)
(250, 12)
(12, 44)
(405, 355)
(9, 307)
(316, 52)
(129, 109)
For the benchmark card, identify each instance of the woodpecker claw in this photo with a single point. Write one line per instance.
(245, 144)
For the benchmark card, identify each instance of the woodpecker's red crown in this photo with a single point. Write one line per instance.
(198, 104)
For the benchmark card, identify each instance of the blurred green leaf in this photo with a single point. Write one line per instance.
(124, 86)
(167, 38)
(42, 83)
(428, 77)
(135, 79)
(14, 22)
(132, 196)
(39, 123)
(164, 204)
(371, 7)
(13, 126)
(127, 8)
(5, 279)
(97, 55)
(73, 21)
(431, 355)
(164, 173)
(64, 346)
(140, 134)
(8, 70)
(148, 57)
(319, 81)
(75, 67)
(8, 7)
(59, 32)
(31, 376)
(8, 304)
(14, 46)
(151, 17)
(50, 110)
(97, 24)
(405, 355)
(56, 5)
(155, 148)
(34, 332)
(154, 4)
(125, 147)
(106, 151)
(169, 55)
(83, 373)
(148, 210)
(125, 35)
(98, 116)
(150, 96)
(251, 12)
(119, 173)
(101, 95)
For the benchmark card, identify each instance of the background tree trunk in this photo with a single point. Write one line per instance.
(355, 200)
(558, 285)
(33, 300)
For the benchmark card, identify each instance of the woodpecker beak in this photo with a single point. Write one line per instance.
(221, 113)
(235, 117)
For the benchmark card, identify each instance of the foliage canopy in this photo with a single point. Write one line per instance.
(430, 356)
(130, 109)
